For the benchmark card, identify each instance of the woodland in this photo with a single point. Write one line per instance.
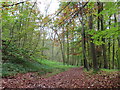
(78, 46)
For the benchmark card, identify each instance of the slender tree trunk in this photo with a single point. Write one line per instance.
(99, 10)
(98, 28)
(63, 46)
(93, 52)
(89, 54)
(113, 53)
(109, 44)
(67, 47)
(1, 49)
(84, 45)
(118, 53)
(103, 39)
(43, 44)
(19, 29)
(52, 50)
(72, 49)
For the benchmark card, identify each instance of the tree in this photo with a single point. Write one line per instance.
(93, 52)
(103, 39)
(84, 43)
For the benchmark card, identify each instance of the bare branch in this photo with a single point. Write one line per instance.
(12, 4)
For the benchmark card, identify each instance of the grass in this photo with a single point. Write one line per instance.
(38, 65)
(54, 64)
(53, 67)
(10, 68)
(92, 72)
(109, 70)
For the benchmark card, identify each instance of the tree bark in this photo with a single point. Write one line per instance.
(93, 52)
(63, 45)
(103, 39)
(67, 47)
(109, 45)
(113, 53)
(84, 45)
(98, 28)
(118, 53)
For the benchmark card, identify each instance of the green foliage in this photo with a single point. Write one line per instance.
(54, 64)
(109, 70)
(107, 33)
(14, 54)
(40, 66)
(11, 68)
(24, 40)
(92, 72)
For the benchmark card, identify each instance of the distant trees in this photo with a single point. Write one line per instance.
(96, 37)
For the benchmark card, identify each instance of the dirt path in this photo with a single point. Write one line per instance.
(73, 78)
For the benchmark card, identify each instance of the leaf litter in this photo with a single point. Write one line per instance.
(72, 78)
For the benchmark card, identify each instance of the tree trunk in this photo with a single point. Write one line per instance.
(84, 45)
(63, 45)
(118, 53)
(43, 44)
(113, 53)
(98, 28)
(67, 47)
(103, 39)
(52, 50)
(109, 44)
(93, 52)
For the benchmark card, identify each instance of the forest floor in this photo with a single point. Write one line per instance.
(72, 78)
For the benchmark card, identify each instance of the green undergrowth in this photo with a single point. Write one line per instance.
(53, 67)
(37, 65)
(110, 70)
(101, 71)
